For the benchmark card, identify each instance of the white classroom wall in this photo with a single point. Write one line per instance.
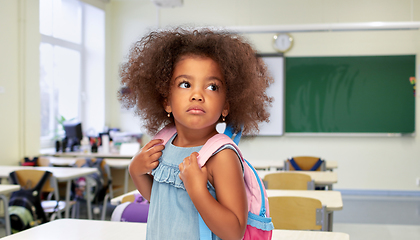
(19, 80)
(365, 163)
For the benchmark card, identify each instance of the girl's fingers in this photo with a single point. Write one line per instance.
(153, 143)
(193, 159)
(154, 164)
(155, 156)
(188, 161)
(155, 149)
(181, 167)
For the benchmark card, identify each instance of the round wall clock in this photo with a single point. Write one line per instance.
(282, 42)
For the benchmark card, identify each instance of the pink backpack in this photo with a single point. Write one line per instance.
(259, 225)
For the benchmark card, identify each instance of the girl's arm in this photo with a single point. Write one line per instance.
(227, 216)
(143, 163)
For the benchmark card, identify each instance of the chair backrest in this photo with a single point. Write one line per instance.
(305, 163)
(43, 161)
(297, 213)
(289, 181)
(28, 178)
(128, 198)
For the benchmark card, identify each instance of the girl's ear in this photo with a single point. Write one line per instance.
(225, 110)
(167, 105)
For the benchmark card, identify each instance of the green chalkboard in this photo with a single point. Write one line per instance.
(359, 94)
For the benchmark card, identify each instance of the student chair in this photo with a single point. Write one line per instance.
(106, 192)
(297, 213)
(304, 163)
(289, 181)
(28, 178)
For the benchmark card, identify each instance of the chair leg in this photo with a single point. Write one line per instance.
(75, 210)
(105, 203)
(52, 217)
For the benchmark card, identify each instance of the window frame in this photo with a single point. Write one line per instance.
(48, 141)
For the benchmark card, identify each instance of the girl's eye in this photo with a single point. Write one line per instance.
(213, 87)
(184, 85)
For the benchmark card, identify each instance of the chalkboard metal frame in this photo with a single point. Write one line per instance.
(275, 65)
(315, 87)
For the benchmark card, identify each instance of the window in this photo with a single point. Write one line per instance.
(72, 66)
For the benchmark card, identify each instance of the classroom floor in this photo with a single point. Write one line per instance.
(379, 217)
(365, 218)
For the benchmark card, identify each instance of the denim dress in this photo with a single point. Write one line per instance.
(172, 214)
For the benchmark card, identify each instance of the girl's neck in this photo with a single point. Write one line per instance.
(193, 137)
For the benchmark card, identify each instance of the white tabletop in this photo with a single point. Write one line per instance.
(62, 161)
(60, 173)
(330, 199)
(91, 155)
(70, 229)
(69, 161)
(118, 162)
(261, 163)
(6, 188)
(319, 177)
(309, 235)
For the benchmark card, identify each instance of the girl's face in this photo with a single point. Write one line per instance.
(197, 93)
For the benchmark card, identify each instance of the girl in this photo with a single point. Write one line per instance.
(193, 79)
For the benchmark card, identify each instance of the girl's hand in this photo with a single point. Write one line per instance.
(193, 177)
(148, 158)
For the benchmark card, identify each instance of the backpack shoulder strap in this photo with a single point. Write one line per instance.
(165, 134)
(213, 145)
(209, 148)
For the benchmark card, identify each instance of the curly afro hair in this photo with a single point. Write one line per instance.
(146, 75)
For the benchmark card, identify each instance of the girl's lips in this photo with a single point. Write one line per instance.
(196, 110)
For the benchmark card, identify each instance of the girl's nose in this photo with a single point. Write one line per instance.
(197, 97)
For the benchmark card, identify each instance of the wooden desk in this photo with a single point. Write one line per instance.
(279, 164)
(117, 163)
(120, 164)
(309, 235)
(89, 155)
(62, 161)
(330, 199)
(6, 189)
(60, 174)
(321, 178)
(70, 229)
